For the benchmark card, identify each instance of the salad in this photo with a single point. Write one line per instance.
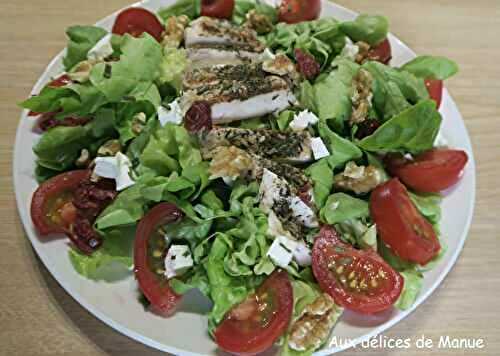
(272, 160)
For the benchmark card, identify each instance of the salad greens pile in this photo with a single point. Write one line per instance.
(224, 226)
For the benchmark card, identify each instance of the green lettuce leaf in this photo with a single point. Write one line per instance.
(330, 96)
(341, 150)
(413, 281)
(242, 7)
(322, 38)
(321, 175)
(139, 63)
(190, 8)
(414, 130)
(172, 68)
(81, 41)
(431, 67)
(341, 207)
(429, 205)
(367, 28)
(116, 249)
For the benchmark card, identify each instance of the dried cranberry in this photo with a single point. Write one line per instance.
(198, 117)
(84, 236)
(306, 64)
(366, 128)
(48, 121)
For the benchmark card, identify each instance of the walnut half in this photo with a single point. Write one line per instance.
(312, 328)
(359, 179)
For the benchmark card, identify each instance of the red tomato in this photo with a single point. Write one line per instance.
(255, 324)
(401, 227)
(435, 89)
(135, 21)
(293, 11)
(155, 285)
(381, 52)
(51, 208)
(57, 82)
(431, 171)
(357, 280)
(222, 9)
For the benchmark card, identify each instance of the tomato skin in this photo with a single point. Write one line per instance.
(430, 172)
(222, 9)
(238, 335)
(49, 190)
(333, 264)
(135, 21)
(162, 298)
(435, 89)
(294, 11)
(382, 52)
(401, 227)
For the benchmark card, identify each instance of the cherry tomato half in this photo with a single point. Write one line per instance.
(255, 324)
(135, 21)
(52, 210)
(401, 227)
(357, 280)
(435, 89)
(293, 11)
(148, 242)
(222, 9)
(381, 52)
(431, 171)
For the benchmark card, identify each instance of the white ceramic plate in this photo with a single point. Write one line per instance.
(116, 303)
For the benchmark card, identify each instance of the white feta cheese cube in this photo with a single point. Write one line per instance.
(117, 168)
(172, 113)
(303, 212)
(273, 3)
(302, 254)
(302, 120)
(281, 251)
(350, 50)
(101, 49)
(319, 149)
(177, 261)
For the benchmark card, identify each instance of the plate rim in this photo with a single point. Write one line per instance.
(26, 221)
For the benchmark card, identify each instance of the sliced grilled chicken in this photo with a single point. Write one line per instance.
(292, 147)
(207, 30)
(233, 162)
(217, 54)
(238, 92)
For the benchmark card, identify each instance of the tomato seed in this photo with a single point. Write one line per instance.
(352, 275)
(340, 269)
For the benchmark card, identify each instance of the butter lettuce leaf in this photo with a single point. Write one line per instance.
(431, 67)
(81, 41)
(371, 29)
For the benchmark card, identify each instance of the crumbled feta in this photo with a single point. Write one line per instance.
(281, 251)
(273, 3)
(302, 120)
(302, 254)
(171, 114)
(319, 149)
(229, 181)
(303, 212)
(178, 260)
(101, 49)
(117, 168)
(350, 50)
(267, 55)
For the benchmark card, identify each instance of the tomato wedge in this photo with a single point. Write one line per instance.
(222, 9)
(435, 89)
(52, 210)
(381, 52)
(135, 21)
(254, 325)
(357, 280)
(429, 172)
(401, 227)
(148, 242)
(293, 11)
